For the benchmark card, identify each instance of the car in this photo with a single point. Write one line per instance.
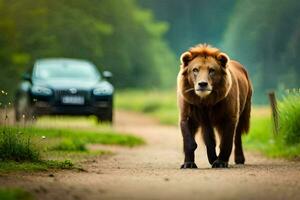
(63, 86)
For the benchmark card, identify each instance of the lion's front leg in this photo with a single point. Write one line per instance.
(188, 131)
(226, 132)
(210, 141)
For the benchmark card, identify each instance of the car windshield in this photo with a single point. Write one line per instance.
(57, 69)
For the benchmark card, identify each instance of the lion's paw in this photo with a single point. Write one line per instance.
(188, 165)
(220, 164)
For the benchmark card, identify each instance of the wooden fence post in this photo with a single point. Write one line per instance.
(274, 109)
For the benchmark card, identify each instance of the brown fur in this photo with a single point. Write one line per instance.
(225, 105)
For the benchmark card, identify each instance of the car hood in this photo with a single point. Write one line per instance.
(61, 84)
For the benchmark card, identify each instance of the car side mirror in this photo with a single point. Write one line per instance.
(26, 77)
(107, 75)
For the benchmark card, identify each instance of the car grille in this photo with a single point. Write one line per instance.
(60, 93)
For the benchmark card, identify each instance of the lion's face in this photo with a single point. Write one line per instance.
(204, 73)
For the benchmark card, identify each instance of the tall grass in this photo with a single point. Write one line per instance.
(289, 119)
(287, 143)
(14, 145)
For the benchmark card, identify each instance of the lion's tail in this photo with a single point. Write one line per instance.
(244, 121)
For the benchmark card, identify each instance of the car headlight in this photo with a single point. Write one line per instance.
(103, 91)
(38, 90)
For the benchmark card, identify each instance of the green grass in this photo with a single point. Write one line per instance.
(14, 145)
(261, 138)
(289, 119)
(14, 194)
(82, 136)
(79, 137)
(159, 104)
(33, 148)
(69, 145)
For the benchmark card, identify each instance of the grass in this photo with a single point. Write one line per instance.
(289, 119)
(14, 194)
(82, 136)
(70, 139)
(17, 147)
(159, 104)
(261, 138)
(34, 148)
(70, 145)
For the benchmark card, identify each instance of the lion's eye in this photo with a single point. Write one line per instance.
(211, 72)
(195, 71)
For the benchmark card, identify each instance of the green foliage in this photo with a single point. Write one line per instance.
(262, 36)
(289, 113)
(140, 49)
(14, 194)
(116, 35)
(192, 21)
(15, 146)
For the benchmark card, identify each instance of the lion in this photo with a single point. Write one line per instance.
(214, 93)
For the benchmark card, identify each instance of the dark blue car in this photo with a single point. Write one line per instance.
(60, 86)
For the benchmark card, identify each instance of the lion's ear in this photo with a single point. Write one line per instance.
(223, 59)
(185, 58)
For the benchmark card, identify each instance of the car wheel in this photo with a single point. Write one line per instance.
(106, 117)
(23, 109)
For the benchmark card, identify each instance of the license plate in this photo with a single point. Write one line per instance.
(77, 100)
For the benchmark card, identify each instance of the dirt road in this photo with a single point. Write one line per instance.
(152, 172)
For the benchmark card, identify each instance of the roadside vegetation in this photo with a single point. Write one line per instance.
(287, 142)
(162, 106)
(53, 142)
(36, 147)
(14, 194)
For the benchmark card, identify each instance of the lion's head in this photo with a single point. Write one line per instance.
(204, 73)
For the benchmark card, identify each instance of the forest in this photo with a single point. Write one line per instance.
(140, 41)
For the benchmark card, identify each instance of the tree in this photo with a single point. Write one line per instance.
(264, 35)
(115, 35)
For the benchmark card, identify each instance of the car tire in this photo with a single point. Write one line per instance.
(23, 109)
(106, 117)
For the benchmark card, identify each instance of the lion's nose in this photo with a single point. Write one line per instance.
(203, 84)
